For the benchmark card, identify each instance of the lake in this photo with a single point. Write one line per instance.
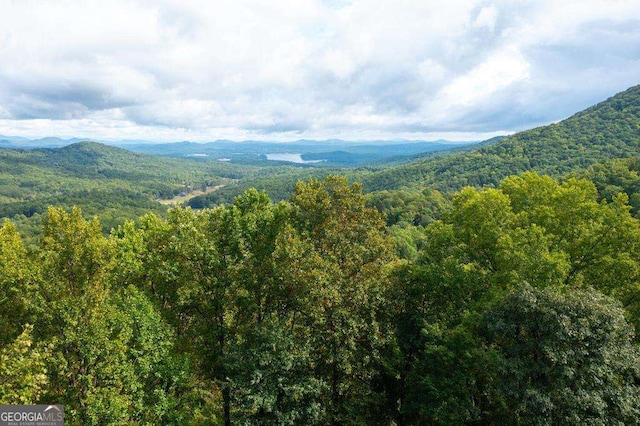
(292, 158)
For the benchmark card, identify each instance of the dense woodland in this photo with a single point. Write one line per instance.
(464, 288)
(110, 182)
(520, 307)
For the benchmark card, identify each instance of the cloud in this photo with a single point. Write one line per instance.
(487, 18)
(284, 69)
(496, 73)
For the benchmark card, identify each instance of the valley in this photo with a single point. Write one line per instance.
(260, 289)
(188, 194)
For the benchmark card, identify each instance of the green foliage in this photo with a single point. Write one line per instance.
(302, 312)
(348, 257)
(534, 230)
(112, 183)
(273, 382)
(449, 379)
(16, 283)
(531, 229)
(614, 177)
(213, 275)
(405, 206)
(23, 376)
(278, 302)
(97, 347)
(562, 359)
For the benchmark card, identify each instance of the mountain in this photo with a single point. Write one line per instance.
(321, 153)
(100, 179)
(610, 129)
(78, 161)
(91, 174)
(25, 143)
(325, 153)
(606, 131)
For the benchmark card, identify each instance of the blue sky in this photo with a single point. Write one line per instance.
(285, 70)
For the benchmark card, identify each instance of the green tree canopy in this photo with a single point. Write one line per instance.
(562, 359)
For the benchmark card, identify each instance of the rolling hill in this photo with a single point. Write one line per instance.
(111, 182)
(30, 174)
(313, 153)
(608, 130)
(122, 184)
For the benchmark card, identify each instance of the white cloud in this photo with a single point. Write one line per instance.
(486, 18)
(174, 69)
(495, 74)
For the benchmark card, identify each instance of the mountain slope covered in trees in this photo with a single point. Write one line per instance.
(30, 174)
(610, 129)
(113, 183)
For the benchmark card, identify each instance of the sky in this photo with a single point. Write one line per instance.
(282, 70)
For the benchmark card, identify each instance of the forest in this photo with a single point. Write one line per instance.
(510, 305)
(489, 285)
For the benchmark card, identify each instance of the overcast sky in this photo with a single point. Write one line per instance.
(316, 69)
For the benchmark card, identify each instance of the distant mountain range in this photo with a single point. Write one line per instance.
(25, 143)
(158, 147)
(333, 152)
(606, 131)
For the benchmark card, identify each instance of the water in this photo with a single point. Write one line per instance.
(292, 158)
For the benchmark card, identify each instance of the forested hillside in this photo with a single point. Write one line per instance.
(113, 183)
(522, 307)
(31, 174)
(610, 129)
